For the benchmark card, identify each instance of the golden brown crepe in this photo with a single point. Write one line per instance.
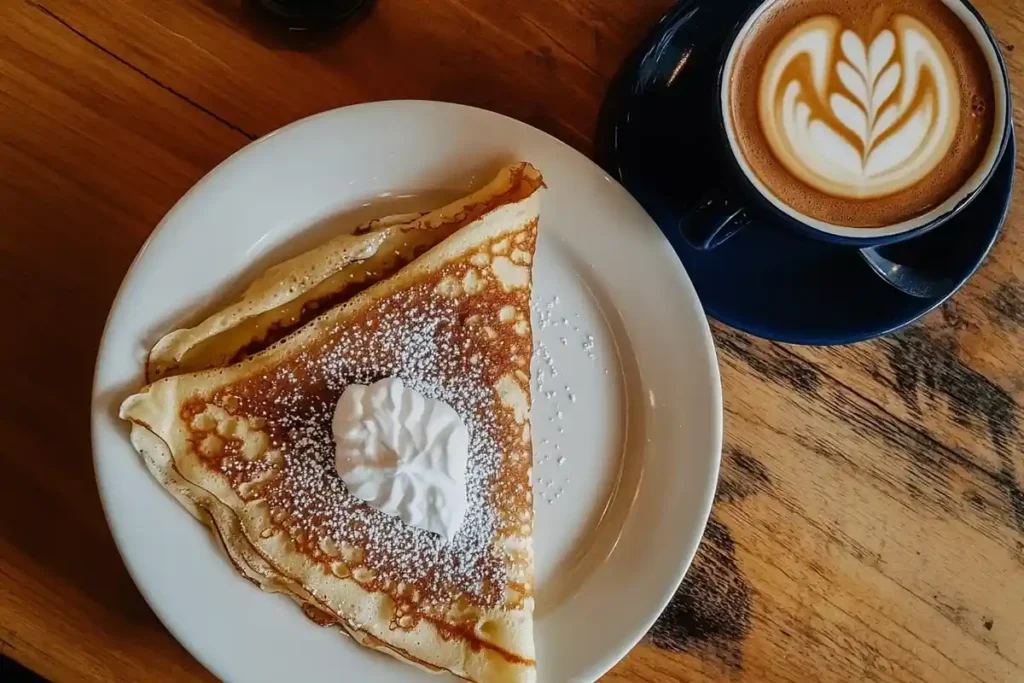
(247, 448)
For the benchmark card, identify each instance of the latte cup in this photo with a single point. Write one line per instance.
(862, 134)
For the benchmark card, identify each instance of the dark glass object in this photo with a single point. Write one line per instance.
(310, 14)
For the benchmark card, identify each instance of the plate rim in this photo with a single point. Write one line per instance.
(98, 410)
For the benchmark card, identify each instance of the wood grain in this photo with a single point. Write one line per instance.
(870, 519)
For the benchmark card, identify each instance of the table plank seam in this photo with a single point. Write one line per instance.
(53, 15)
(527, 19)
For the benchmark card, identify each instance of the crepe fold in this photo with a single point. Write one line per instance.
(236, 426)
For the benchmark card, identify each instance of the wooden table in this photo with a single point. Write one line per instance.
(870, 518)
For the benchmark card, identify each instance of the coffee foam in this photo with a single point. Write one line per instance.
(862, 114)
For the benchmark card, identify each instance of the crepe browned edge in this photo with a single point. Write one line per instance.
(152, 419)
(292, 293)
(225, 529)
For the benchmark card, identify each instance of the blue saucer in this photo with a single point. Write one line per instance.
(657, 137)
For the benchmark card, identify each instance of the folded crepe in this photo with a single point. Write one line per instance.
(292, 293)
(247, 448)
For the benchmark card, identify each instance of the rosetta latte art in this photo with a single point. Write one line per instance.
(859, 118)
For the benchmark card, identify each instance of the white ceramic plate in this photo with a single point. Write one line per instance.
(624, 474)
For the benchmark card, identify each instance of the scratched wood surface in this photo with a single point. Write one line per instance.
(870, 518)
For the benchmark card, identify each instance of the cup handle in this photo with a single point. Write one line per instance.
(712, 221)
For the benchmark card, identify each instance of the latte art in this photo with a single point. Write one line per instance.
(859, 116)
(850, 114)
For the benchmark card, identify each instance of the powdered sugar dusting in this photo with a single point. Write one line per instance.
(425, 345)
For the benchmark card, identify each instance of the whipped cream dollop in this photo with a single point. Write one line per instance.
(404, 454)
